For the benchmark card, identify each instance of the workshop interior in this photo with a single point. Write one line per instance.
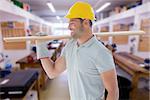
(22, 77)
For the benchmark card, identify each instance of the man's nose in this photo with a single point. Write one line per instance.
(69, 27)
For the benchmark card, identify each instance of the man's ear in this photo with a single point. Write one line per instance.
(86, 23)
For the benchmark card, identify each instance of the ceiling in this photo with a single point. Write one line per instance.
(40, 8)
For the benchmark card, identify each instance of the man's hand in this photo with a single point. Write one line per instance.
(42, 50)
(41, 47)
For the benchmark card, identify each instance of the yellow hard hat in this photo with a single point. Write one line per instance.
(81, 10)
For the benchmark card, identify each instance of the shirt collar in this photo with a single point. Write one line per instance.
(89, 42)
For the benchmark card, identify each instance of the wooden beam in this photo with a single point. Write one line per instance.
(57, 37)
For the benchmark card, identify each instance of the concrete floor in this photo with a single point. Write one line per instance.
(56, 89)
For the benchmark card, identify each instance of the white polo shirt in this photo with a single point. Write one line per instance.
(84, 66)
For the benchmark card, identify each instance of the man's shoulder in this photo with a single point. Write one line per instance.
(100, 47)
(98, 44)
(70, 43)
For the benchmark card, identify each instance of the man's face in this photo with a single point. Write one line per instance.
(76, 28)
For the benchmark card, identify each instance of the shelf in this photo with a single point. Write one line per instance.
(127, 20)
(9, 9)
(103, 21)
(145, 8)
(127, 16)
(124, 15)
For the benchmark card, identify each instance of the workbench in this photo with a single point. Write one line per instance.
(132, 65)
(17, 84)
(33, 64)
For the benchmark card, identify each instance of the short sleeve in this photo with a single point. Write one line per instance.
(66, 47)
(63, 52)
(104, 61)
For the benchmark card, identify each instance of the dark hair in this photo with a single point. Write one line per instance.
(90, 22)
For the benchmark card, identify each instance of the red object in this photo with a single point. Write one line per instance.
(26, 7)
(30, 59)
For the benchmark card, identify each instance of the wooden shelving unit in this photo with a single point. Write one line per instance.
(11, 13)
(13, 29)
(7, 8)
(124, 16)
(144, 41)
(134, 18)
(20, 20)
(104, 29)
(120, 39)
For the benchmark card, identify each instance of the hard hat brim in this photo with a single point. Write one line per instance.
(70, 17)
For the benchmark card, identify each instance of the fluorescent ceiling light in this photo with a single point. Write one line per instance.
(58, 17)
(103, 7)
(50, 5)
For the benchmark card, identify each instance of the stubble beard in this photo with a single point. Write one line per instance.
(78, 33)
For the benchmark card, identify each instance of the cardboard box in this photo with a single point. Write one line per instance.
(104, 29)
(146, 30)
(145, 23)
(19, 25)
(120, 39)
(13, 29)
(144, 43)
(120, 27)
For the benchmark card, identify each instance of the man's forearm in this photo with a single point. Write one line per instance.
(48, 66)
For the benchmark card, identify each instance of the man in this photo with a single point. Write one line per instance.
(89, 64)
